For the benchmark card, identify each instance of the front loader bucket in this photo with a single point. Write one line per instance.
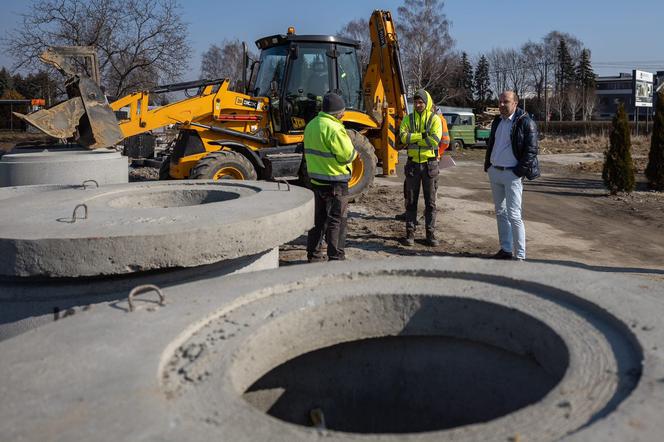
(88, 118)
(60, 121)
(98, 128)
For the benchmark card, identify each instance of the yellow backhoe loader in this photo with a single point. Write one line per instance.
(256, 134)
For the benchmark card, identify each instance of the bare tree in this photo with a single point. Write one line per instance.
(557, 102)
(498, 72)
(573, 101)
(359, 30)
(224, 61)
(534, 59)
(139, 42)
(590, 101)
(516, 71)
(426, 46)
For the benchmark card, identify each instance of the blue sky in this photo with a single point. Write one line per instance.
(616, 32)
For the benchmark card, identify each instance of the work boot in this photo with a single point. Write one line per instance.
(431, 240)
(502, 255)
(409, 240)
(316, 257)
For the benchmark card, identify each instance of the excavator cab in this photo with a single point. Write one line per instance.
(295, 72)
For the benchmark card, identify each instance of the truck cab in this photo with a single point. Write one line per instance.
(463, 128)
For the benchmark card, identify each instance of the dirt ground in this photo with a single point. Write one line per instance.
(570, 218)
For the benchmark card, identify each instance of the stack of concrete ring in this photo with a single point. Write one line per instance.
(158, 339)
(66, 248)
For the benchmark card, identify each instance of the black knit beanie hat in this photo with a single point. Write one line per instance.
(333, 103)
(421, 94)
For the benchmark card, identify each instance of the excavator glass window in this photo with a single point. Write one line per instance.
(349, 79)
(308, 80)
(271, 72)
(271, 68)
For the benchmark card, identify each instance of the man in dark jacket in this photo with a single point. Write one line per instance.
(511, 155)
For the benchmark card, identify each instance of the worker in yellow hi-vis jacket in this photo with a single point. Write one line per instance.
(329, 154)
(421, 133)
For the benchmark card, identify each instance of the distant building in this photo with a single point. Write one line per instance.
(613, 90)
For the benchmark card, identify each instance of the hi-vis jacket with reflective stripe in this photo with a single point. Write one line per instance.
(421, 133)
(328, 150)
(445, 138)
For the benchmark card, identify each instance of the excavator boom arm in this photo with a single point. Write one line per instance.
(384, 87)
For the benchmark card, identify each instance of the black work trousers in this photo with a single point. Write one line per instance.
(424, 175)
(331, 211)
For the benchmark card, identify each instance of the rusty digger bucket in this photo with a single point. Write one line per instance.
(86, 115)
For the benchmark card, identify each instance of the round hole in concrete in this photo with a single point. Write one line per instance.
(168, 197)
(400, 364)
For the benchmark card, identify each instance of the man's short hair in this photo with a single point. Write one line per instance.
(514, 95)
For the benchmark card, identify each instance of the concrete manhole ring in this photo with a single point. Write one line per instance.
(525, 352)
(62, 165)
(125, 228)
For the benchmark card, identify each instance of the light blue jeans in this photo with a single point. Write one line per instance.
(507, 190)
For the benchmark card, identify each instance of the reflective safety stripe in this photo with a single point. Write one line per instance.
(430, 122)
(408, 138)
(435, 138)
(335, 178)
(391, 142)
(352, 158)
(318, 153)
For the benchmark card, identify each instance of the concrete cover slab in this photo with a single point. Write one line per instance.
(189, 370)
(134, 227)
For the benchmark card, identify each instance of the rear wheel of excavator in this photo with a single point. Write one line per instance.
(223, 165)
(364, 166)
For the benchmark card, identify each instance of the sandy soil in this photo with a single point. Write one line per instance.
(570, 219)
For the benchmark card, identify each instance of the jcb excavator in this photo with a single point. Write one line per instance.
(257, 134)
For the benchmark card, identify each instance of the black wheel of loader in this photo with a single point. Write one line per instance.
(456, 145)
(223, 165)
(164, 169)
(364, 166)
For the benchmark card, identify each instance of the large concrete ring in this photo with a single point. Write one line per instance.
(557, 353)
(26, 304)
(127, 228)
(62, 166)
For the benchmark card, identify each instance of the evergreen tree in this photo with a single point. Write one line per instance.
(618, 171)
(585, 79)
(482, 82)
(585, 76)
(655, 168)
(466, 79)
(6, 81)
(565, 69)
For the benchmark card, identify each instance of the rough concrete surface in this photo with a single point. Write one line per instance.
(143, 226)
(210, 363)
(26, 304)
(62, 166)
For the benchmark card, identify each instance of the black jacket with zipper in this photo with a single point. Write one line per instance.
(524, 145)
